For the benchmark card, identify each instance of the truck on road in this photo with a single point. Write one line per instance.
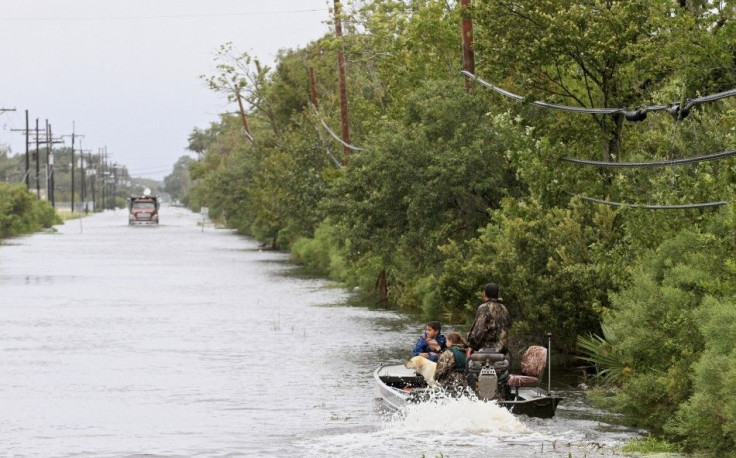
(143, 210)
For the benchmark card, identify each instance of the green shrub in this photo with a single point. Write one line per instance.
(651, 444)
(321, 253)
(707, 421)
(22, 213)
(673, 329)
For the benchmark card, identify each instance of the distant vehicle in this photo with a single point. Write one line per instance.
(143, 210)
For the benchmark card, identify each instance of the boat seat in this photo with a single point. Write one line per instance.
(533, 364)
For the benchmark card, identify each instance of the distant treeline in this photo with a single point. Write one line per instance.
(452, 188)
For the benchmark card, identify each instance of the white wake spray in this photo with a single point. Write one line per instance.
(463, 414)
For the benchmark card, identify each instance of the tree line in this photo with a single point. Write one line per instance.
(452, 188)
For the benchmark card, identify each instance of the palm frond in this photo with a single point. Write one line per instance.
(599, 351)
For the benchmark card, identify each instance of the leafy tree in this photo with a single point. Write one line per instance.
(424, 181)
(178, 182)
(604, 53)
(242, 78)
(542, 259)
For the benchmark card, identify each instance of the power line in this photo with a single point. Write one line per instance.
(636, 114)
(650, 207)
(336, 137)
(165, 16)
(158, 166)
(689, 160)
(333, 134)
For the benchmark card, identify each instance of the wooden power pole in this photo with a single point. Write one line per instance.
(313, 88)
(343, 87)
(28, 159)
(38, 167)
(248, 135)
(72, 151)
(468, 53)
(27, 133)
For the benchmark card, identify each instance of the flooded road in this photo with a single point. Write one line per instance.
(118, 341)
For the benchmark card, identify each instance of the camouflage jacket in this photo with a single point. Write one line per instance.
(447, 373)
(490, 328)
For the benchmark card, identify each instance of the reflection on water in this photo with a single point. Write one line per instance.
(174, 341)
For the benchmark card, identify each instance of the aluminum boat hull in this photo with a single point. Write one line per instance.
(399, 386)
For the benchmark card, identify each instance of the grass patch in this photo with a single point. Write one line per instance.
(650, 445)
(67, 216)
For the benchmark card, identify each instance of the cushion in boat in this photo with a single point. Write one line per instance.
(534, 361)
(521, 380)
(532, 366)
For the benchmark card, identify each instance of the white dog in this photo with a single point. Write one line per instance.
(424, 367)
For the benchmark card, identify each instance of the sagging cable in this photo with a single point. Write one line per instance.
(650, 207)
(336, 137)
(248, 136)
(334, 159)
(638, 114)
(669, 162)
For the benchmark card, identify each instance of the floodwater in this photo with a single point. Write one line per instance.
(189, 341)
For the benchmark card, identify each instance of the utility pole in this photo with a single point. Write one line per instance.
(74, 136)
(103, 194)
(52, 179)
(48, 162)
(28, 159)
(114, 184)
(92, 172)
(468, 53)
(51, 185)
(38, 160)
(248, 135)
(48, 141)
(313, 88)
(27, 133)
(73, 167)
(105, 184)
(83, 174)
(343, 87)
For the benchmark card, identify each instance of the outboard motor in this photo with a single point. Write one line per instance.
(487, 373)
(487, 386)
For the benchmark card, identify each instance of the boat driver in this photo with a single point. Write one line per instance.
(492, 321)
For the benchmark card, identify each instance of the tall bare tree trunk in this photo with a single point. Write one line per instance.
(382, 286)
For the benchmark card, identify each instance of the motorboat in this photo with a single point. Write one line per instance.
(521, 394)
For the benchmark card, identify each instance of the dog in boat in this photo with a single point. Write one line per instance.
(424, 367)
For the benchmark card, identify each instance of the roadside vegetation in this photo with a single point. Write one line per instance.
(451, 189)
(22, 213)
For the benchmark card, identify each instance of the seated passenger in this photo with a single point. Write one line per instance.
(450, 371)
(431, 343)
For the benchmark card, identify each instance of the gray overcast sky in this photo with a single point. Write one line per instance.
(126, 72)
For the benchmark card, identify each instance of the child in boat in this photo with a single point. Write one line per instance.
(431, 343)
(450, 371)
